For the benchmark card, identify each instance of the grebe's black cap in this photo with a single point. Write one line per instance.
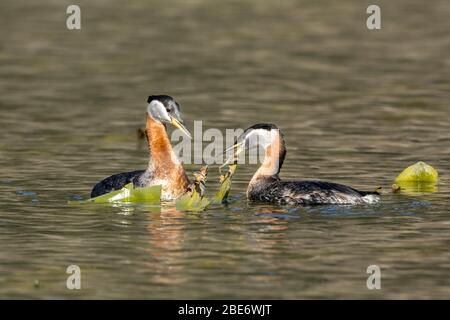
(171, 105)
(163, 98)
(258, 126)
(264, 126)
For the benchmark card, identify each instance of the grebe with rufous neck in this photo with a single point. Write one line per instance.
(266, 185)
(164, 168)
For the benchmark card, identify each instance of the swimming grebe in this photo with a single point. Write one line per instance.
(266, 186)
(164, 167)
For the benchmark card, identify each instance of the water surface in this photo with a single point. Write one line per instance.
(356, 107)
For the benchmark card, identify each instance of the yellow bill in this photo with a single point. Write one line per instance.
(180, 126)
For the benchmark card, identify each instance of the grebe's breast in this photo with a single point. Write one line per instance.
(274, 190)
(172, 186)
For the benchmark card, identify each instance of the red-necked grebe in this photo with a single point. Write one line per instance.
(164, 167)
(266, 186)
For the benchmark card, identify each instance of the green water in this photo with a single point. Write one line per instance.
(356, 107)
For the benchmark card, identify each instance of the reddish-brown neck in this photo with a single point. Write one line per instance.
(164, 164)
(159, 147)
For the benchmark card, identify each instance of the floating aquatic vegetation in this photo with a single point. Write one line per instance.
(194, 199)
(128, 194)
(419, 177)
(149, 195)
(419, 172)
(225, 185)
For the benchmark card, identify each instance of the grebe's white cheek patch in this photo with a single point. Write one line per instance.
(157, 111)
(257, 141)
(258, 137)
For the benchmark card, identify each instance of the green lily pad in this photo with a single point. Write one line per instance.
(225, 185)
(419, 172)
(194, 199)
(149, 195)
(418, 178)
(128, 194)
